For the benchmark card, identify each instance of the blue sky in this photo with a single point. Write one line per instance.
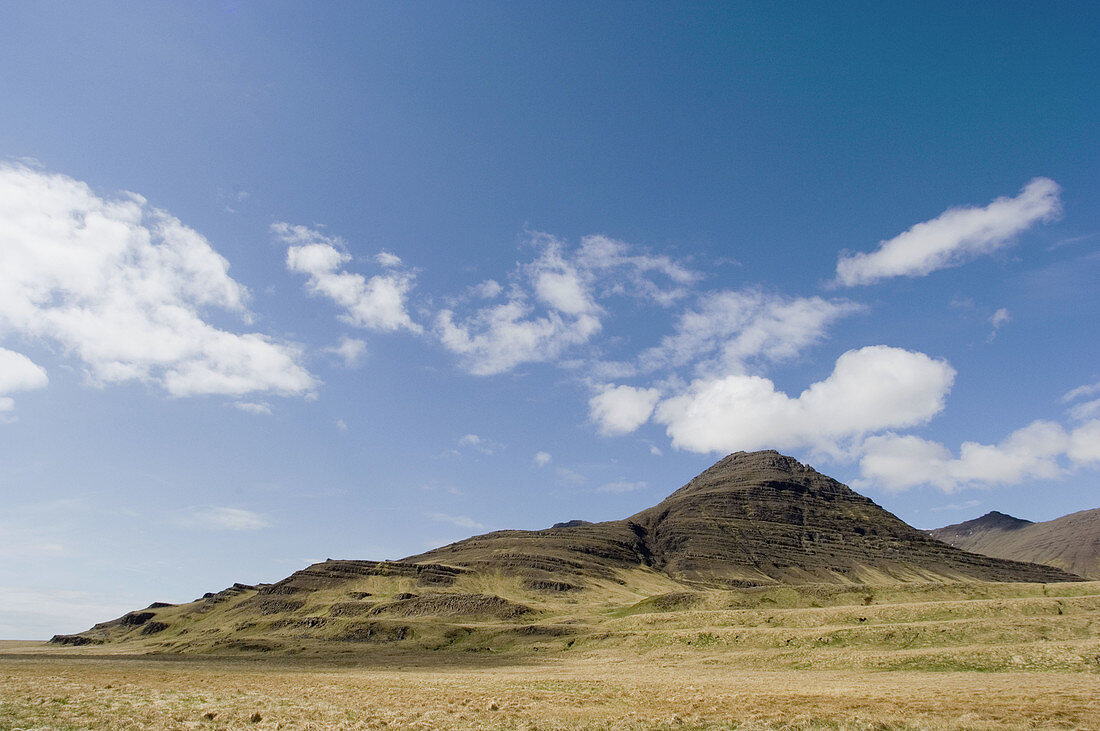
(281, 282)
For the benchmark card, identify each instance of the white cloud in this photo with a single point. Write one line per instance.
(621, 486)
(18, 373)
(254, 407)
(542, 459)
(552, 304)
(1084, 443)
(378, 303)
(1085, 410)
(612, 267)
(122, 286)
(733, 329)
(869, 390)
(341, 425)
(387, 259)
(497, 339)
(351, 350)
(570, 477)
(999, 319)
(655, 450)
(969, 504)
(462, 521)
(622, 409)
(478, 444)
(1033, 452)
(222, 518)
(1082, 411)
(1080, 392)
(954, 237)
(488, 289)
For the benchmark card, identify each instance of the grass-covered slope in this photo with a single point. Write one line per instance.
(1071, 543)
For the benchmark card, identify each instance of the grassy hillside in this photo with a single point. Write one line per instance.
(1071, 543)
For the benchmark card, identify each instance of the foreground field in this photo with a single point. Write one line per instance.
(584, 692)
(913, 656)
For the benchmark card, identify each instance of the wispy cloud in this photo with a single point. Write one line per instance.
(224, 518)
(620, 486)
(462, 521)
(254, 407)
(553, 302)
(351, 351)
(378, 303)
(954, 237)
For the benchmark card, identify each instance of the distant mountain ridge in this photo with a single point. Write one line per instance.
(1071, 543)
(751, 522)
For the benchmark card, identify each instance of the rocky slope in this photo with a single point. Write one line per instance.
(1071, 543)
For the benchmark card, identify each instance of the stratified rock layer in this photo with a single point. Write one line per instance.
(752, 518)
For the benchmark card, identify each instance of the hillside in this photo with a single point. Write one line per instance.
(751, 524)
(1071, 543)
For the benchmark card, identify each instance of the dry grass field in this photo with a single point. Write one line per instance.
(907, 656)
(607, 691)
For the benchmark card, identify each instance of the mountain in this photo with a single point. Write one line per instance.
(1071, 543)
(752, 518)
(751, 522)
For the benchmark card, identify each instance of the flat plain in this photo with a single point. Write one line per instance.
(995, 656)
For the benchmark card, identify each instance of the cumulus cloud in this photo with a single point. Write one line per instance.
(553, 303)
(620, 410)
(870, 390)
(542, 459)
(378, 303)
(123, 287)
(954, 237)
(1037, 451)
(731, 330)
(222, 518)
(18, 373)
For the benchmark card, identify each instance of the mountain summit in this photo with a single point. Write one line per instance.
(752, 518)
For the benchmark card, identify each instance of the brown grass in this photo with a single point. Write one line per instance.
(597, 690)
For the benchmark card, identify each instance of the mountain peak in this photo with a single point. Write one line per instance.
(751, 518)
